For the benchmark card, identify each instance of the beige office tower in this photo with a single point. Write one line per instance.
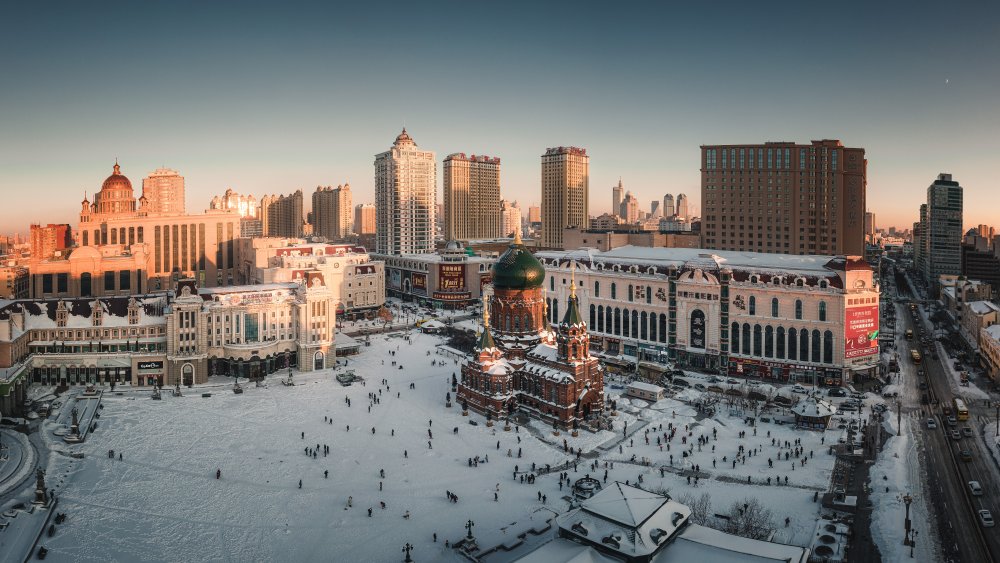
(534, 214)
(164, 190)
(364, 219)
(331, 210)
(565, 193)
(282, 215)
(405, 198)
(510, 213)
(471, 197)
(782, 197)
(682, 206)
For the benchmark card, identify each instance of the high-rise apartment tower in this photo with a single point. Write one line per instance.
(565, 192)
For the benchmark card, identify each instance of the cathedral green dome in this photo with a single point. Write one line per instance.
(517, 268)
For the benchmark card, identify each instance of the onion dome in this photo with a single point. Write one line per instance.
(117, 181)
(517, 268)
(116, 194)
(404, 139)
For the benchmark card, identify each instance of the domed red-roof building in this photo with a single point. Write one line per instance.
(116, 195)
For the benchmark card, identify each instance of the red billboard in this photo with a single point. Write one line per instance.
(451, 277)
(861, 332)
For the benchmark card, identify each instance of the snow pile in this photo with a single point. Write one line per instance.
(900, 478)
(969, 391)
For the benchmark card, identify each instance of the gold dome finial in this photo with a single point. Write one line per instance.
(572, 280)
(517, 236)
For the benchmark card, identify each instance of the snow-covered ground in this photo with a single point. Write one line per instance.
(162, 500)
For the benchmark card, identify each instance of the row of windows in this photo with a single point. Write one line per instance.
(771, 342)
(775, 309)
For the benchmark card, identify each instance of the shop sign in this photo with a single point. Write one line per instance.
(150, 365)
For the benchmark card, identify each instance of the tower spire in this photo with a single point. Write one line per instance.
(517, 235)
(572, 280)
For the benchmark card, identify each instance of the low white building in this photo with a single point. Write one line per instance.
(645, 391)
(774, 316)
(989, 349)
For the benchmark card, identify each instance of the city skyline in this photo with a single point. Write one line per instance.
(201, 105)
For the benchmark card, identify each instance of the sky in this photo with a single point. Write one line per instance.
(272, 97)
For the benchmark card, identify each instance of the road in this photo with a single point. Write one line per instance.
(962, 536)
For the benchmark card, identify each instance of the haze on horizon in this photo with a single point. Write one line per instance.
(270, 99)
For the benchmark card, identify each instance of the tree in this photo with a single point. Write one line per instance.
(750, 519)
(701, 507)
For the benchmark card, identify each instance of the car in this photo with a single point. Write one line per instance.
(714, 379)
(837, 392)
(951, 420)
(732, 381)
(985, 518)
(848, 408)
(799, 389)
(923, 386)
(966, 455)
(931, 423)
(966, 431)
(956, 435)
(857, 395)
(880, 407)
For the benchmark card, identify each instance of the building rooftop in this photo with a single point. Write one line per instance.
(677, 257)
(983, 307)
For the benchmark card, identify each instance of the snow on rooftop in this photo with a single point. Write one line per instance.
(677, 257)
(814, 407)
(993, 331)
(700, 543)
(643, 386)
(982, 307)
(247, 288)
(624, 504)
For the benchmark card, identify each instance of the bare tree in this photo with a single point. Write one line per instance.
(750, 519)
(701, 507)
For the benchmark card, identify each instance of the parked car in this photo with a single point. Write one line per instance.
(966, 431)
(931, 423)
(986, 518)
(732, 381)
(837, 392)
(857, 395)
(799, 389)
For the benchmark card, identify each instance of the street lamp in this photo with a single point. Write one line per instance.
(906, 537)
(407, 549)
(913, 542)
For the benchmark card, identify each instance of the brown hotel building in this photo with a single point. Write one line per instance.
(784, 198)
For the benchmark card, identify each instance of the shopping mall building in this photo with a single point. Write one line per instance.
(773, 316)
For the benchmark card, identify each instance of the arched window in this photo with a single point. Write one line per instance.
(652, 327)
(698, 329)
(792, 344)
(735, 344)
(746, 339)
(649, 294)
(768, 342)
(774, 307)
(753, 305)
(635, 324)
(600, 318)
(625, 322)
(517, 323)
(798, 309)
(608, 321)
(779, 342)
(629, 293)
(527, 321)
(319, 361)
(815, 346)
(804, 345)
(828, 347)
(555, 311)
(597, 289)
(644, 323)
(663, 327)
(758, 349)
(506, 322)
(822, 310)
(593, 315)
(614, 290)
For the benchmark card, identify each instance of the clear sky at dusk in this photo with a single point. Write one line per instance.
(274, 97)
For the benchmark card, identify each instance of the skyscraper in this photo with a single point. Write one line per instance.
(471, 197)
(331, 208)
(565, 192)
(616, 197)
(942, 230)
(164, 190)
(534, 214)
(682, 206)
(654, 209)
(629, 211)
(780, 197)
(364, 219)
(282, 215)
(510, 213)
(405, 198)
(668, 206)
(870, 226)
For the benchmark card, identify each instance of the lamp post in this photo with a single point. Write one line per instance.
(407, 549)
(913, 542)
(468, 526)
(906, 537)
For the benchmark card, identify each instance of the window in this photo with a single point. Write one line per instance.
(798, 309)
(769, 342)
(124, 280)
(85, 285)
(62, 283)
(552, 283)
(779, 342)
(746, 339)
(649, 294)
(597, 289)
(753, 305)
(774, 307)
(822, 310)
(757, 341)
(736, 338)
(625, 322)
(614, 290)
(815, 346)
(630, 293)
(109, 280)
(828, 347)
(792, 344)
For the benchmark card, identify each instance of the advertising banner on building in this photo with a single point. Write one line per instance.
(451, 277)
(419, 284)
(861, 332)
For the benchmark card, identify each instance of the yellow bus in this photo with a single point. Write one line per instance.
(961, 411)
(915, 356)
